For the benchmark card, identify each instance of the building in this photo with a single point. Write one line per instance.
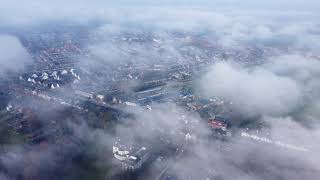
(131, 159)
(219, 127)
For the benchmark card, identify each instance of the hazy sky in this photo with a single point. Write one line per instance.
(29, 10)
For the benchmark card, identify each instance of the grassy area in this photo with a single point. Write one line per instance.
(7, 135)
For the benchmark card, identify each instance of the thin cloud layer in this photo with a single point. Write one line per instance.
(226, 22)
(284, 90)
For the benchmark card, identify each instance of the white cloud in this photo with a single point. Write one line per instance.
(13, 57)
(278, 87)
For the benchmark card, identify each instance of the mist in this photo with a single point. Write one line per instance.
(280, 87)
